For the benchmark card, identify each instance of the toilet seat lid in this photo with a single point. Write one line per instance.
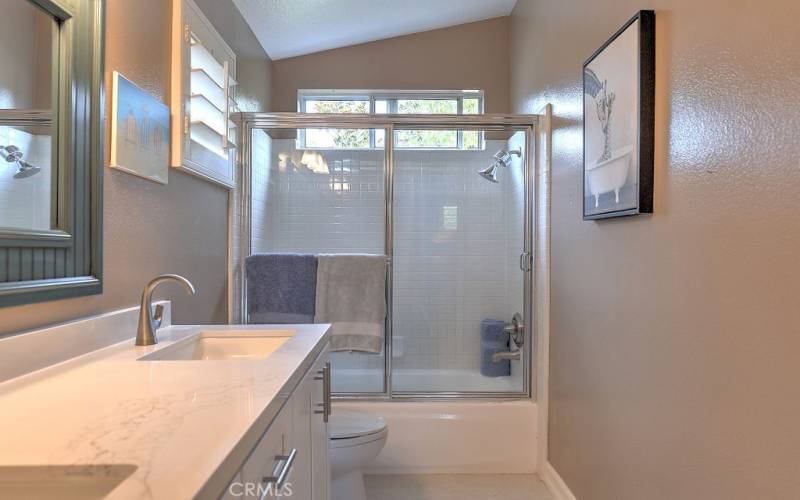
(345, 424)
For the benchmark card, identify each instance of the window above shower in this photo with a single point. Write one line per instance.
(378, 102)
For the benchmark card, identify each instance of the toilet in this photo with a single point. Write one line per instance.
(356, 439)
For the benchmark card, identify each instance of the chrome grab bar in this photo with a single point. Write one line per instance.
(281, 474)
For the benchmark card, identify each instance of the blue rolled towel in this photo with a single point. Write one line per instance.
(493, 330)
(281, 288)
(494, 339)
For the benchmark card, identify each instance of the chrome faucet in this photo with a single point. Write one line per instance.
(150, 320)
(503, 355)
(516, 332)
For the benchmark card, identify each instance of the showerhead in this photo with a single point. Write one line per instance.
(25, 169)
(12, 154)
(501, 159)
(489, 173)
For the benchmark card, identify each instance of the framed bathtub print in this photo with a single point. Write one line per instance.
(139, 131)
(618, 122)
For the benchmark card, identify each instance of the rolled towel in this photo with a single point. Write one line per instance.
(493, 330)
(494, 339)
(281, 288)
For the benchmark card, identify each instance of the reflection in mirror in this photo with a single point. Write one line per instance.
(26, 86)
(26, 56)
(25, 178)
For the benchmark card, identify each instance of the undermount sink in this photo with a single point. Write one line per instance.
(223, 345)
(65, 482)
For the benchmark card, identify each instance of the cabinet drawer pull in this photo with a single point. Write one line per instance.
(325, 377)
(327, 392)
(282, 472)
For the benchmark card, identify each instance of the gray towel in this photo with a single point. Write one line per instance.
(281, 288)
(351, 295)
(494, 339)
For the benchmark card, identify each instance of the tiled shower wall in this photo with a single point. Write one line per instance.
(457, 237)
(264, 193)
(451, 255)
(25, 203)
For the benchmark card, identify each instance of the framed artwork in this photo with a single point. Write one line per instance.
(139, 132)
(618, 122)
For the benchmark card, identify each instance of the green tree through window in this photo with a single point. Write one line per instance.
(470, 103)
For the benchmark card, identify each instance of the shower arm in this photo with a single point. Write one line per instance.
(12, 151)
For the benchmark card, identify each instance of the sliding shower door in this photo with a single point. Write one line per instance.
(459, 244)
(447, 200)
(322, 190)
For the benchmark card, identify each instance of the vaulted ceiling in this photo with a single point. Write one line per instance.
(288, 28)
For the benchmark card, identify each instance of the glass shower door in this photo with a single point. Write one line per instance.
(322, 191)
(457, 241)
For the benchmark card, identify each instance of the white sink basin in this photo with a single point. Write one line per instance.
(68, 482)
(223, 345)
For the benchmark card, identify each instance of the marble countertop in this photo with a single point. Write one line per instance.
(185, 425)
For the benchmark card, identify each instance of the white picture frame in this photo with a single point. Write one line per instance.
(140, 132)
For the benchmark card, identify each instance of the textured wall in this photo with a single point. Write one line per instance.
(675, 337)
(469, 56)
(150, 228)
(253, 67)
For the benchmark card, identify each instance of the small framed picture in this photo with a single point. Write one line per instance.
(619, 122)
(139, 132)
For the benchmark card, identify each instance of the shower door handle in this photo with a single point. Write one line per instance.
(525, 261)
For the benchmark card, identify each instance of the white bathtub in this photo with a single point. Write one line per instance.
(454, 437)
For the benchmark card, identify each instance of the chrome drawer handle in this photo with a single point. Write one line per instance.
(282, 473)
(326, 392)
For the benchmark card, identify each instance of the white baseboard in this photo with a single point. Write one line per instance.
(558, 488)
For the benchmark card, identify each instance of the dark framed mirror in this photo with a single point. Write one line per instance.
(51, 149)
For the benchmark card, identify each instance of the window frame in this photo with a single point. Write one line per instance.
(392, 97)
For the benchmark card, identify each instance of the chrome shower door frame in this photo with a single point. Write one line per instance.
(241, 223)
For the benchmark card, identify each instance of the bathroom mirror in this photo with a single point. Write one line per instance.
(28, 49)
(51, 136)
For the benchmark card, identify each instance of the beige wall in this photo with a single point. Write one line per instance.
(253, 67)
(469, 56)
(25, 57)
(676, 337)
(150, 228)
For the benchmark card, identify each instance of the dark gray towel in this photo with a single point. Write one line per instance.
(494, 339)
(281, 288)
(351, 295)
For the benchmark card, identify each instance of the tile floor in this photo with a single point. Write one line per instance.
(456, 487)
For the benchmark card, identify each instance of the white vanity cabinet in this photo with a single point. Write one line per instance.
(292, 455)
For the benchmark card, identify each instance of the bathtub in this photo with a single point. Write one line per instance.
(454, 437)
